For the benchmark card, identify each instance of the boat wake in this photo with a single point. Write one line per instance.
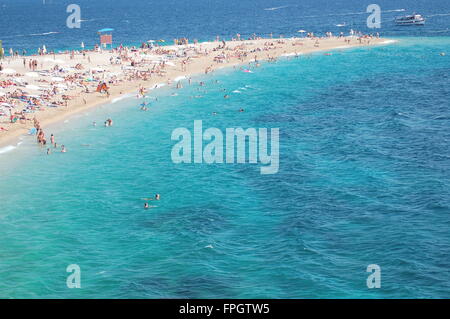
(438, 15)
(351, 13)
(41, 34)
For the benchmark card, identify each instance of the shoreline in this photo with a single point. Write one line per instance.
(85, 101)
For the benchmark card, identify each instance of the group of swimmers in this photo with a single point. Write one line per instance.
(108, 123)
(146, 205)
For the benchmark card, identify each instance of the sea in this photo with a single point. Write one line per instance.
(364, 163)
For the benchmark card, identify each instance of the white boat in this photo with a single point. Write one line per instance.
(414, 19)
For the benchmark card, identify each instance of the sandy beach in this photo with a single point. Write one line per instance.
(59, 85)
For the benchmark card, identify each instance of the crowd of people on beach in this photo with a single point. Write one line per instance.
(49, 82)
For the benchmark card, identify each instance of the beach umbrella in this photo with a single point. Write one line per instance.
(70, 70)
(32, 74)
(32, 87)
(56, 61)
(105, 30)
(9, 71)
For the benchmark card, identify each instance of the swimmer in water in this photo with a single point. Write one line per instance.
(157, 197)
(63, 149)
(48, 151)
(144, 106)
(241, 110)
(94, 123)
(226, 96)
(146, 206)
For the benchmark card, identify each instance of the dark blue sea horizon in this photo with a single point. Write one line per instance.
(30, 24)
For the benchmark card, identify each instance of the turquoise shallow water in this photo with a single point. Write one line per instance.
(364, 179)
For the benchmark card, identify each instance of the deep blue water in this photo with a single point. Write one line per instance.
(29, 24)
(364, 179)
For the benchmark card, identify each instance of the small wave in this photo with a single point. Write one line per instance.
(275, 8)
(342, 47)
(117, 99)
(157, 86)
(389, 41)
(288, 54)
(179, 78)
(7, 149)
(237, 91)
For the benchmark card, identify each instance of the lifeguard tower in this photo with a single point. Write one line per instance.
(105, 37)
